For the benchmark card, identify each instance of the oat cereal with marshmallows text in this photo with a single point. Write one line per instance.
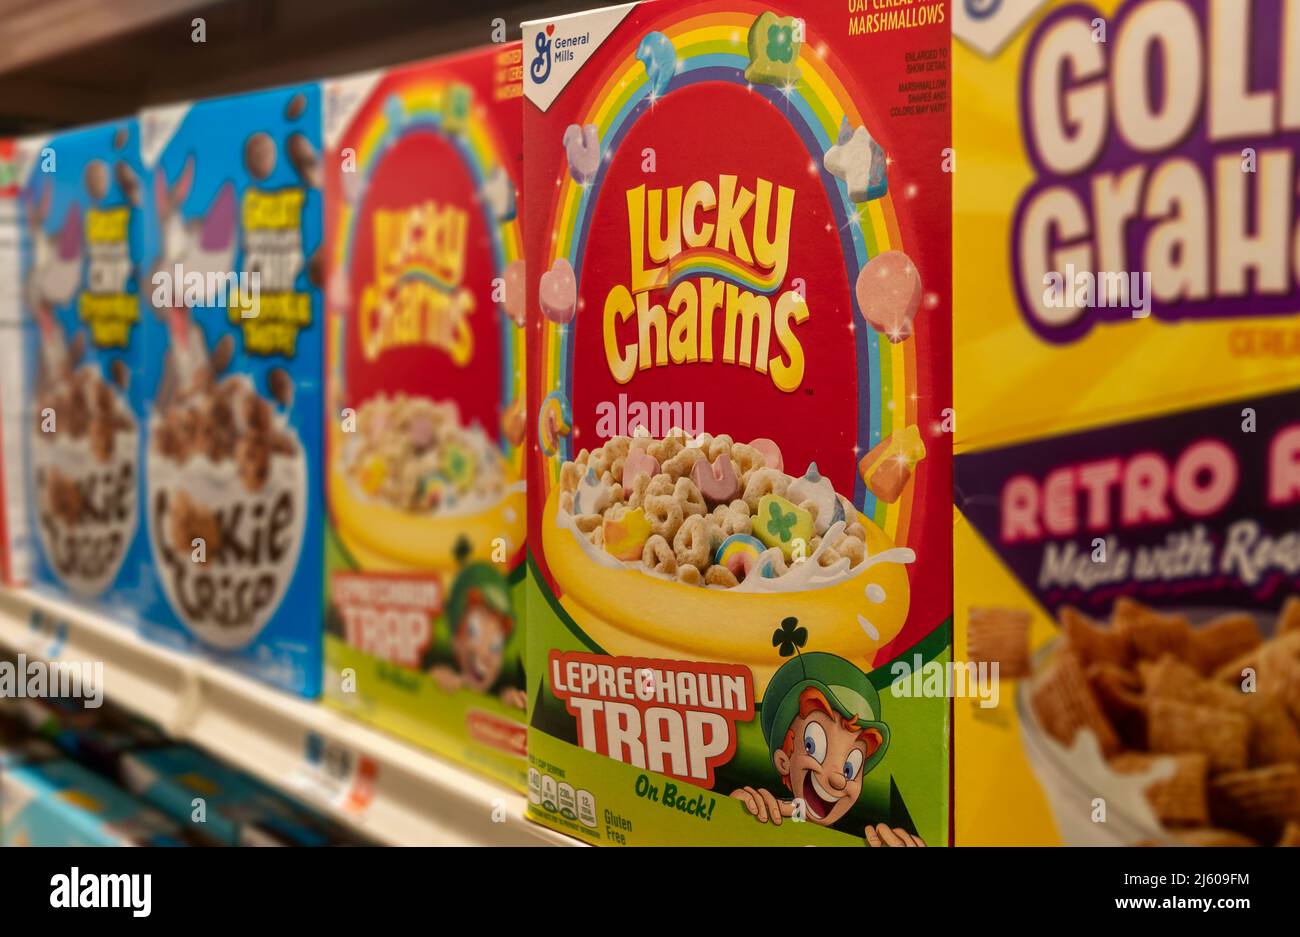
(739, 459)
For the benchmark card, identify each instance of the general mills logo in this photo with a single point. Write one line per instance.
(540, 69)
(982, 9)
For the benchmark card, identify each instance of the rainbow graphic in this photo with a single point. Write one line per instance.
(712, 46)
(709, 261)
(423, 105)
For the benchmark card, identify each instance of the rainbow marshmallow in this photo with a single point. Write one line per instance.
(739, 553)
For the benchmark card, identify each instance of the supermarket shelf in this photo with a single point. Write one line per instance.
(373, 784)
(123, 55)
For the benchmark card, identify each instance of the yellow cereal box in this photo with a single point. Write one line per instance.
(1126, 350)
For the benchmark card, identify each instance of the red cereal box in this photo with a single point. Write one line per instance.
(739, 469)
(424, 412)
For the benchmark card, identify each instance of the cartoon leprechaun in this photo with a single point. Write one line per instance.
(821, 720)
(481, 619)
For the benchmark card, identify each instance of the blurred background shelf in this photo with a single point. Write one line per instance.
(68, 62)
(381, 788)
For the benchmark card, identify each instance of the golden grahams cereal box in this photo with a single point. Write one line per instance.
(1127, 350)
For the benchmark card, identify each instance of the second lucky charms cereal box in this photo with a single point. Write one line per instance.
(1125, 368)
(739, 470)
(83, 211)
(424, 411)
(233, 323)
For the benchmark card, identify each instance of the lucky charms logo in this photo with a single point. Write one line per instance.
(725, 253)
(418, 296)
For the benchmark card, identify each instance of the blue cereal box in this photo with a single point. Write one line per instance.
(236, 810)
(232, 480)
(82, 217)
(60, 803)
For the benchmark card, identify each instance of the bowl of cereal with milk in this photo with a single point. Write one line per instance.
(1173, 726)
(696, 546)
(410, 480)
(84, 454)
(227, 493)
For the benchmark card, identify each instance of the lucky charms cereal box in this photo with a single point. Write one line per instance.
(233, 382)
(739, 462)
(1126, 361)
(425, 407)
(84, 210)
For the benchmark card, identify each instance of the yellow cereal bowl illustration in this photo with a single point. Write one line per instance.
(629, 612)
(381, 537)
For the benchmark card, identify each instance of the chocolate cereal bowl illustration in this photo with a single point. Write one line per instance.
(84, 472)
(1150, 715)
(649, 539)
(414, 481)
(226, 483)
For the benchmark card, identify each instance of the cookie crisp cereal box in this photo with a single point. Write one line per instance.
(1127, 448)
(234, 329)
(424, 412)
(739, 474)
(83, 211)
(15, 550)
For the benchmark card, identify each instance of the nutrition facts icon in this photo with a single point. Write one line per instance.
(560, 797)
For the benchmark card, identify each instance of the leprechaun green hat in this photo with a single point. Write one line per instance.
(845, 687)
(479, 582)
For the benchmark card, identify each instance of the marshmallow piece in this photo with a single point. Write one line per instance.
(499, 194)
(739, 553)
(558, 292)
(374, 472)
(421, 432)
(773, 51)
(717, 482)
(814, 487)
(551, 426)
(889, 294)
(858, 161)
(625, 536)
(516, 286)
(657, 54)
(458, 466)
(582, 147)
(638, 462)
(593, 495)
(514, 422)
(771, 452)
(782, 524)
(887, 468)
(432, 491)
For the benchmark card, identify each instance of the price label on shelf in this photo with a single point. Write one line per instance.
(335, 774)
(53, 634)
